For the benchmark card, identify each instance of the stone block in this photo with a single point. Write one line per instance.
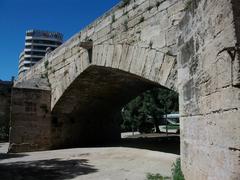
(156, 67)
(138, 61)
(118, 50)
(126, 60)
(166, 68)
(149, 63)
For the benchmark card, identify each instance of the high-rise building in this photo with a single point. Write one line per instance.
(36, 44)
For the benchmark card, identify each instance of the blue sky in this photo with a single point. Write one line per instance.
(65, 16)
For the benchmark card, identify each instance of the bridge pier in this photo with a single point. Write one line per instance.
(30, 125)
(208, 71)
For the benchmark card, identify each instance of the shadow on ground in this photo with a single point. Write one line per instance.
(154, 142)
(9, 156)
(54, 169)
(169, 144)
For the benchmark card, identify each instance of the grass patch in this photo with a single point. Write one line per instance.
(176, 173)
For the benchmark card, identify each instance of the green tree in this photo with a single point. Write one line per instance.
(131, 115)
(149, 107)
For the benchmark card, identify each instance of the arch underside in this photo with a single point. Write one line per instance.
(89, 110)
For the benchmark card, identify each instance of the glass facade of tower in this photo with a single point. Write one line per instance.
(36, 44)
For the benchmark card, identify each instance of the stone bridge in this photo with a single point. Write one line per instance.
(75, 94)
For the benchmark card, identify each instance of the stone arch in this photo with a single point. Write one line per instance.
(89, 110)
(146, 63)
(116, 74)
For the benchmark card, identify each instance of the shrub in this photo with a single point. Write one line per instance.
(176, 170)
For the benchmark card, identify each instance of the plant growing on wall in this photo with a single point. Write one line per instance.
(125, 25)
(158, 4)
(141, 19)
(135, 6)
(113, 18)
(150, 44)
(188, 5)
(46, 64)
(149, 8)
(66, 72)
(125, 2)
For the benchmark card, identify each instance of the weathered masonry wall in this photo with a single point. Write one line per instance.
(5, 101)
(30, 120)
(143, 28)
(209, 90)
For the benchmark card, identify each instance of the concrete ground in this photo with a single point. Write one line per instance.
(108, 163)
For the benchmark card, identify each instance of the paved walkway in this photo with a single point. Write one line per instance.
(113, 163)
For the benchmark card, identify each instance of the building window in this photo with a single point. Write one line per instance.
(30, 107)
